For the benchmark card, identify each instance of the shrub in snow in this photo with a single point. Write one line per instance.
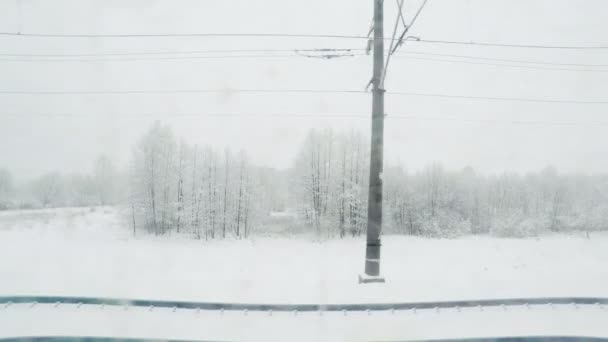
(445, 226)
(517, 226)
(597, 218)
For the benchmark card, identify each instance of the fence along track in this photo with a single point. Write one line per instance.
(56, 300)
(491, 339)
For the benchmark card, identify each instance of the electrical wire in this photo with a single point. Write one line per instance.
(390, 48)
(399, 42)
(503, 65)
(318, 54)
(500, 59)
(491, 98)
(179, 52)
(199, 91)
(293, 91)
(176, 35)
(320, 115)
(528, 46)
(178, 115)
(323, 53)
(139, 59)
(407, 28)
(293, 35)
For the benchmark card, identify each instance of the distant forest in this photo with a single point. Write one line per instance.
(206, 193)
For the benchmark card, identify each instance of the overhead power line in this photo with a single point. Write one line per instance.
(407, 28)
(534, 67)
(140, 59)
(491, 98)
(179, 52)
(500, 59)
(510, 45)
(293, 91)
(319, 115)
(293, 35)
(213, 53)
(179, 115)
(398, 20)
(298, 54)
(324, 53)
(173, 35)
(199, 91)
(510, 122)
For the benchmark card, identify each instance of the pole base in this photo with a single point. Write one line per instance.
(366, 279)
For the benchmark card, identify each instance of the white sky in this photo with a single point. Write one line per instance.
(30, 145)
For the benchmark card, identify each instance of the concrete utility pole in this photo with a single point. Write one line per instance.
(374, 209)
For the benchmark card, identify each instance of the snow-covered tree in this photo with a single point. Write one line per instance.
(329, 182)
(49, 190)
(6, 188)
(193, 190)
(154, 163)
(105, 179)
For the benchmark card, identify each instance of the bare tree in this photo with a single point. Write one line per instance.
(104, 176)
(225, 198)
(6, 188)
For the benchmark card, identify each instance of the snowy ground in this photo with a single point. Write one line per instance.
(84, 252)
(79, 252)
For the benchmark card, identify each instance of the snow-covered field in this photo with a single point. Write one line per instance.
(85, 252)
(81, 252)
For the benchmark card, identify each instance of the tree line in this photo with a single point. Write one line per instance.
(196, 190)
(54, 189)
(329, 191)
(209, 193)
(435, 202)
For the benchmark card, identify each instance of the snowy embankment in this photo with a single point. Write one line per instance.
(79, 252)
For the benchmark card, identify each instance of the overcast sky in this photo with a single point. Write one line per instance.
(111, 124)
